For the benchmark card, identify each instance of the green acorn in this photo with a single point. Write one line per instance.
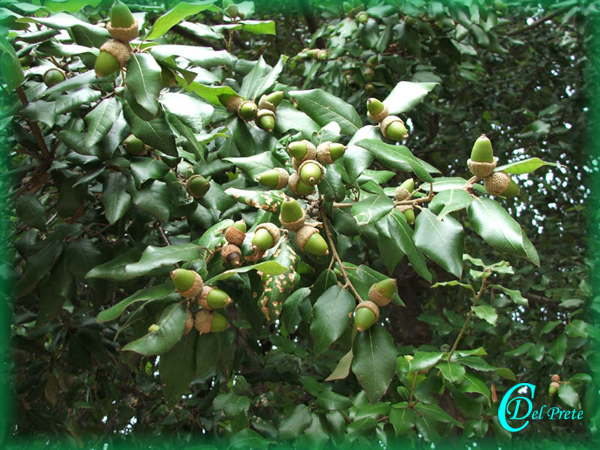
(271, 101)
(134, 146)
(381, 292)
(210, 322)
(197, 186)
(247, 110)
(292, 216)
(377, 111)
(370, 89)
(265, 119)
(113, 56)
(369, 74)
(153, 328)
(53, 76)
(187, 282)
(302, 150)
(274, 178)
(500, 183)
(362, 17)
(311, 172)
(366, 315)
(310, 241)
(482, 162)
(26, 60)
(393, 128)
(409, 214)
(328, 152)
(373, 61)
(265, 237)
(299, 187)
(319, 54)
(232, 255)
(403, 191)
(213, 298)
(122, 26)
(554, 387)
(236, 233)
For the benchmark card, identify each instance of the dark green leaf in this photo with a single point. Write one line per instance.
(330, 317)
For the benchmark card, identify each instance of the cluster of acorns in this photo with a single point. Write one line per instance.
(366, 313)
(115, 53)
(263, 114)
(318, 54)
(392, 127)
(190, 286)
(554, 385)
(402, 193)
(482, 164)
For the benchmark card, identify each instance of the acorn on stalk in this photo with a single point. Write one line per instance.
(500, 183)
(366, 315)
(328, 152)
(271, 101)
(134, 146)
(187, 282)
(197, 186)
(247, 110)
(113, 56)
(403, 191)
(53, 76)
(376, 110)
(276, 178)
(213, 298)
(302, 150)
(210, 322)
(265, 119)
(310, 241)
(236, 233)
(482, 162)
(381, 292)
(299, 187)
(292, 216)
(311, 172)
(393, 128)
(231, 255)
(265, 237)
(122, 26)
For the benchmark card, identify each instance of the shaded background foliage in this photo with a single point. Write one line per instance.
(522, 81)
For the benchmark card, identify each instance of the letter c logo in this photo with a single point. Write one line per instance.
(502, 410)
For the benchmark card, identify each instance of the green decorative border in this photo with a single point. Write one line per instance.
(524, 441)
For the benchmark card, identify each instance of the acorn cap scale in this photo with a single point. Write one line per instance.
(187, 282)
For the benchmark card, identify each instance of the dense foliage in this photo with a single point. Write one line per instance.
(490, 291)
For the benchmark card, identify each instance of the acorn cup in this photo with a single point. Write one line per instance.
(499, 183)
(302, 151)
(403, 191)
(366, 315)
(231, 102)
(53, 76)
(328, 152)
(299, 187)
(482, 162)
(311, 172)
(122, 26)
(113, 56)
(247, 110)
(187, 282)
(197, 186)
(236, 233)
(210, 322)
(134, 146)
(393, 128)
(310, 241)
(376, 111)
(265, 119)
(271, 101)
(555, 378)
(232, 255)
(265, 237)
(276, 178)
(292, 216)
(381, 292)
(189, 323)
(213, 298)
